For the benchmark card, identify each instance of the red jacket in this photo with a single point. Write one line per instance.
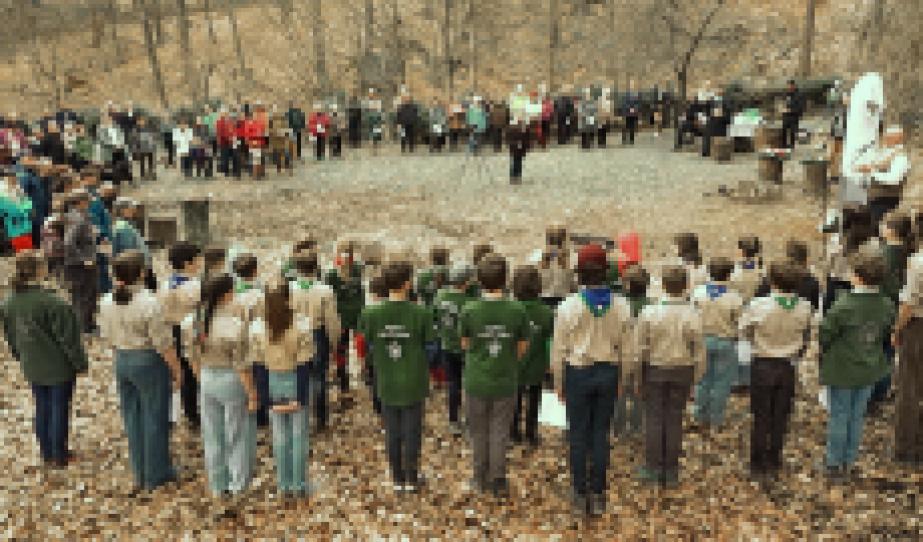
(319, 118)
(255, 132)
(225, 130)
(240, 130)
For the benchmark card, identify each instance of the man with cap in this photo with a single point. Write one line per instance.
(80, 272)
(588, 351)
(792, 109)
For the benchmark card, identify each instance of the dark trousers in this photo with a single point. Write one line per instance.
(590, 393)
(436, 141)
(261, 382)
(496, 136)
(546, 133)
(772, 388)
(516, 165)
(532, 394)
(408, 142)
(298, 143)
(562, 132)
(343, 360)
(454, 135)
(146, 157)
(228, 161)
(666, 390)
(83, 285)
(171, 149)
(336, 146)
(185, 163)
(318, 374)
(203, 163)
(320, 142)
(789, 130)
(403, 439)
(880, 389)
(52, 418)
(586, 139)
(706, 142)
(601, 134)
(629, 129)
(189, 390)
(372, 381)
(454, 362)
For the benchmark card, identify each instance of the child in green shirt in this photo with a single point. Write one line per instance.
(852, 336)
(448, 304)
(495, 336)
(527, 286)
(378, 292)
(399, 330)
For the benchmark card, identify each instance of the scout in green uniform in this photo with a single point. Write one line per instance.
(430, 280)
(527, 285)
(449, 302)
(378, 291)
(346, 281)
(852, 336)
(495, 336)
(628, 410)
(473, 289)
(399, 330)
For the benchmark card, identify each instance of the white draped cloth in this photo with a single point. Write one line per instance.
(866, 105)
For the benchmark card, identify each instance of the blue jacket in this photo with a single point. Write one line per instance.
(99, 217)
(38, 191)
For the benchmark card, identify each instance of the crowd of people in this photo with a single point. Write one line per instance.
(624, 344)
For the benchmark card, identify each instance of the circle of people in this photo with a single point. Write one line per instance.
(611, 341)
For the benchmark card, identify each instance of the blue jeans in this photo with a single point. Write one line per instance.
(844, 425)
(143, 381)
(52, 418)
(590, 394)
(711, 393)
(289, 433)
(228, 430)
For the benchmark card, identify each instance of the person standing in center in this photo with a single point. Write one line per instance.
(591, 339)
(346, 281)
(398, 331)
(495, 336)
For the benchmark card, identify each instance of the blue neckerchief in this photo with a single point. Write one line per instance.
(716, 290)
(749, 265)
(598, 300)
(177, 280)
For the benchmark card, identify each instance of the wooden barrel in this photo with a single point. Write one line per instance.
(770, 169)
(162, 231)
(815, 177)
(722, 149)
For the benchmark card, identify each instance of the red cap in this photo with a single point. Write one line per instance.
(591, 254)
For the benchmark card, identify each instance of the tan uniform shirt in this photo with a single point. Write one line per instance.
(557, 280)
(250, 305)
(720, 316)
(137, 325)
(670, 334)
(319, 304)
(226, 344)
(581, 339)
(912, 293)
(773, 331)
(746, 281)
(295, 346)
(180, 301)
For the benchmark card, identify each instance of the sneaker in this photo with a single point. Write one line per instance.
(835, 474)
(456, 429)
(501, 488)
(474, 485)
(671, 477)
(398, 488)
(578, 502)
(597, 504)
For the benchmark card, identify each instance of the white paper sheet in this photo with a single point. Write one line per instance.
(174, 407)
(744, 352)
(552, 411)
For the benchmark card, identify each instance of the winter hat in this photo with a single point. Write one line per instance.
(590, 255)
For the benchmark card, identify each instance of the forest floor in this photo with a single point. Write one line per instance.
(416, 201)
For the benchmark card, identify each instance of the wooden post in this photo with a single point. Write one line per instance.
(808, 39)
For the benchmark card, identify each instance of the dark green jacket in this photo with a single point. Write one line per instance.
(350, 295)
(43, 334)
(852, 338)
(896, 267)
(534, 365)
(429, 282)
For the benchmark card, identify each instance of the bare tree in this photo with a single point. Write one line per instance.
(96, 24)
(238, 47)
(473, 43)
(207, 7)
(808, 39)
(147, 7)
(114, 28)
(553, 42)
(183, 25)
(320, 53)
(447, 50)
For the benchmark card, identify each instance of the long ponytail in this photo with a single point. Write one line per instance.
(127, 269)
(217, 287)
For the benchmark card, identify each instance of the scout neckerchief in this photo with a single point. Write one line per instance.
(787, 303)
(243, 287)
(304, 284)
(750, 265)
(715, 291)
(597, 300)
(178, 280)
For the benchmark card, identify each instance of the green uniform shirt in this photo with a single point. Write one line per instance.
(494, 327)
(43, 334)
(638, 303)
(895, 264)
(427, 284)
(448, 306)
(613, 278)
(473, 290)
(350, 295)
(852, 339)
(533, 366)
(397, 331)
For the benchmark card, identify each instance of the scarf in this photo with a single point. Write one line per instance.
(243, 287)
(177, 280)
(598, 300)
(787, 303)
(715, 291)
(749, 265)
(305, 284)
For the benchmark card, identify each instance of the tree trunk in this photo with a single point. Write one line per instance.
(808, 39)
(679, 105)
(152, 50)
(472, 30)
(206, 5)
(158, 22)
(447, 51)
(189, 78)
(114, 23)
(238, 46)
(54, 78)
(552, 43)
(97, 24)
(320, 64)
